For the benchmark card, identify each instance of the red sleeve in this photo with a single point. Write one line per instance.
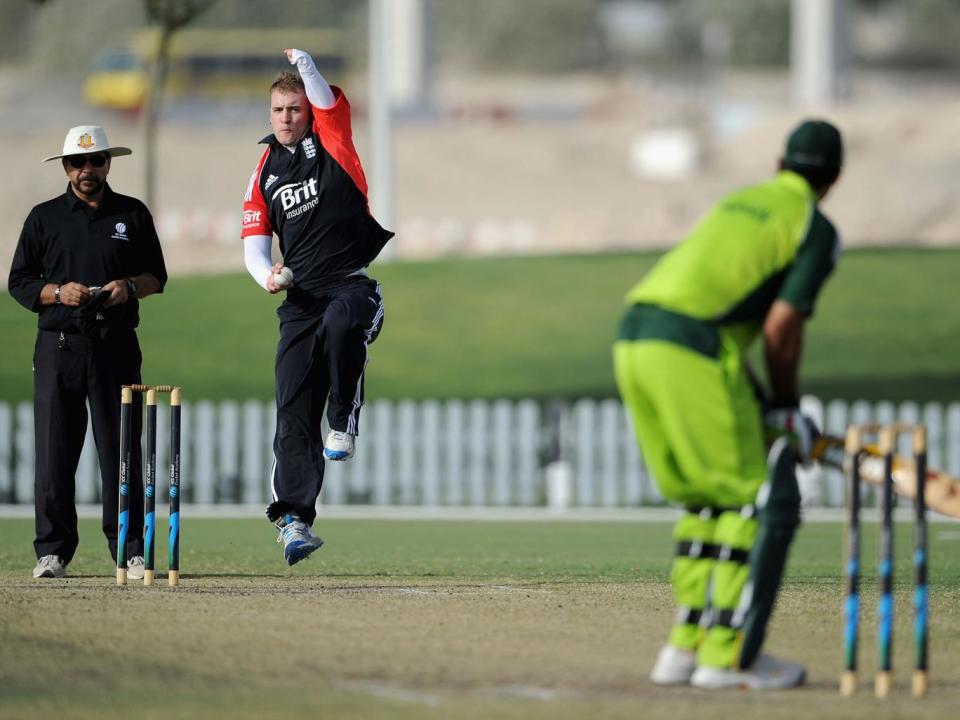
(333, 127)
(256, 218)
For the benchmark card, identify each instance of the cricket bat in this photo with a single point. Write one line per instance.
(942, 492)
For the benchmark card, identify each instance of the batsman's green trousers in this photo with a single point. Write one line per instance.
(700, 432)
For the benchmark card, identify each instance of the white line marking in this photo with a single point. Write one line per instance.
(390, 692)
(514, 588)
(527, 691)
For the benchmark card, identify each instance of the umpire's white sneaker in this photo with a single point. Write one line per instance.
(674, 666)
(297, 538)
(339, 446)
(50, 566)
(135, 567)
(766, 673)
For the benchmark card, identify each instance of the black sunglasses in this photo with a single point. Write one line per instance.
(78, 161)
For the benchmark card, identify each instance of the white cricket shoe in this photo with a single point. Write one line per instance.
(297, 538)
(766, 673)
(674, 666)
(135, 567)
(50, 566)
(339, 445)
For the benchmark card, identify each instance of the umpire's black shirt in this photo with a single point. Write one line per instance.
(65, 240)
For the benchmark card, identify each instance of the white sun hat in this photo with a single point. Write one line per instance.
(85, 139)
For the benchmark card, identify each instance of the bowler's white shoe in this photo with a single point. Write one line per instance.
(674, 666)
(339, 445)
(135, 567)
(766, 673)
(50, 566)
(297, 538)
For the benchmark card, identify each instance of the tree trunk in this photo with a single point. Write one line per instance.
(151, 111)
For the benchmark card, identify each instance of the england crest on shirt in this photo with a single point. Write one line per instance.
(309, 149)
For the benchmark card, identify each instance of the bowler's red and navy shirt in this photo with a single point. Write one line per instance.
(315, 200)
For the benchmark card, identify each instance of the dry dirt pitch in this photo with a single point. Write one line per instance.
(551, 633)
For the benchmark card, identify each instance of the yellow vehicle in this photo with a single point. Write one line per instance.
(208, 63)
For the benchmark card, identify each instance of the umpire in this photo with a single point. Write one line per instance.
(83, 262)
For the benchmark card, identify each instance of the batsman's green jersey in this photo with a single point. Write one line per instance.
(680, 367)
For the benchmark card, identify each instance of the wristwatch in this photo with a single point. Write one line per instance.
(131, 287)
(56, 296)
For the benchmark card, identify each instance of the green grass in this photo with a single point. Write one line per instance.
(429, 619)
(886, 328)
(518, 551)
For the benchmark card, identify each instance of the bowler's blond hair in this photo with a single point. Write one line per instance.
(287, 83)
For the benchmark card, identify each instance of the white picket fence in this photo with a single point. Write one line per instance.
(446, 453)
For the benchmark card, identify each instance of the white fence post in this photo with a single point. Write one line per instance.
(430, 457)
(908, 412)
(503, 452)
(359, 485)
(204, 468)
(454, 445)
(23, 442)
(584, 434)
(228, 452)
(933, 419)
(528, 447)
(406, 437)
(383, 432)
(188, 444)
(253, 472)
(953, 436)
(609, 463)
(477, 455)
(6, 453)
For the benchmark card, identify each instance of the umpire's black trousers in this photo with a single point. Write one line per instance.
(68, 371)
(320, 361)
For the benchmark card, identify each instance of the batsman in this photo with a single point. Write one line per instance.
(754, 266)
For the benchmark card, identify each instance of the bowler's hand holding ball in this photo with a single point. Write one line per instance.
(283, 278)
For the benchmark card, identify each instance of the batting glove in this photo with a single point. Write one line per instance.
(799, 429)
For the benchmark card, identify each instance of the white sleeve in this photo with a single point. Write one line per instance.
(256, 255)
(318, 91)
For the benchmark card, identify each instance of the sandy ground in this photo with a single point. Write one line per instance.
(528, 166)
(440, 619)
(402, 648)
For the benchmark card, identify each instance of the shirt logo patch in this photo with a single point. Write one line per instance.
(270, 181)
(251, 218)
(309, 149)
(121, 232)
(297, 198)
